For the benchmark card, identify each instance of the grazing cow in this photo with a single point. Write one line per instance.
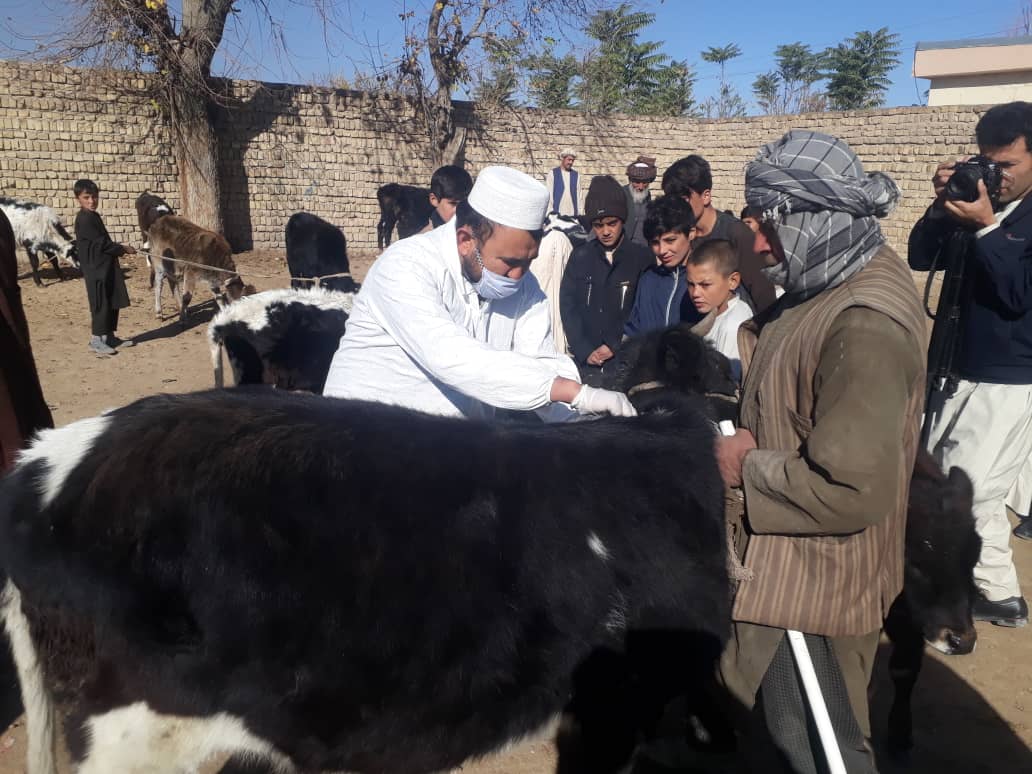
(285, 338)
(331, 585)
(405, 205)
(942, 548)
(175, 237)
(38, 229)
(150, 207)
(316, 248)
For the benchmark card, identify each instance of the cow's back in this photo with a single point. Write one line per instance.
(332, 571)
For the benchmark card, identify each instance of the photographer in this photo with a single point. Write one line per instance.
(982, 420)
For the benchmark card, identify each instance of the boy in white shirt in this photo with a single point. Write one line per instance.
(713, 286)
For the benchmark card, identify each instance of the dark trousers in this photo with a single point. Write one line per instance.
(104, 322)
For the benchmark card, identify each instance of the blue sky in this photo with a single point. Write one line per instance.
(367, 32)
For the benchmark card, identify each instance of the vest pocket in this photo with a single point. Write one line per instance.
(803, 426)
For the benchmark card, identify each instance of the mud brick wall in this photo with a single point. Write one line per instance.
(286, 148)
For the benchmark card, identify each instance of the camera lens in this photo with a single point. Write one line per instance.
(963, 184)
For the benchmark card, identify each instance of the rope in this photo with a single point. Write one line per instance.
(315, 280)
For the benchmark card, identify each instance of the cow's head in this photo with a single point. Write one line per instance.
(653, 369)
(942, 549)
(233, 289)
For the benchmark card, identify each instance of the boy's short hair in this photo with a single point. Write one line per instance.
(692, 173)
(451, 182)
(719, 252)
(665, 214)
(84, 184)
(751, 212)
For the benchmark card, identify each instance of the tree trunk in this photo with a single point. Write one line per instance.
(197, 157)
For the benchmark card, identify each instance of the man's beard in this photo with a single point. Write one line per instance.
(639, 197)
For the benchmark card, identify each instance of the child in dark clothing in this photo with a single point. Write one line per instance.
(98, 256)
(448, 186)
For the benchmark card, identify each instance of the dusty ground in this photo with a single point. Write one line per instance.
(974, 713)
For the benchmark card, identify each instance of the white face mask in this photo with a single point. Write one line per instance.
(491, 286)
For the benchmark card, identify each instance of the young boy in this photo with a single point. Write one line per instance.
(98, 256)
(448, 186)
(713, 281)
(669, 229)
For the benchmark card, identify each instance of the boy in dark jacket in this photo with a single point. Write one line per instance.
(669, 228)
(98, 256)
(449, 185)
(600, 281)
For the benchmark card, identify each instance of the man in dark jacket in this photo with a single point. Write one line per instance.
(691, 179)
(22, 408)
(984, 423)
(600, 281)
(640, 174)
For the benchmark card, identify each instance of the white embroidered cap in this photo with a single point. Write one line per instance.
(509, 198)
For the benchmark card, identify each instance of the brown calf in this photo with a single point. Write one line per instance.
(209, 260)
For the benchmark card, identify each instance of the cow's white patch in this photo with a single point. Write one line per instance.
(253, 311)
(598, 547)
(39, 710)
(616, 618)
(61, 450)
(135, 739)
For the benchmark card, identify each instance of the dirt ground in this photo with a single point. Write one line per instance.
(973, 713)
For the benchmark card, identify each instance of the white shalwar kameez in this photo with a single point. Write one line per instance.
(419, 336)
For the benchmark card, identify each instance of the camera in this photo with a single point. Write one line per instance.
(963, 183)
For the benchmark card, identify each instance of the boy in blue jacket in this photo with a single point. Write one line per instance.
(669, 230)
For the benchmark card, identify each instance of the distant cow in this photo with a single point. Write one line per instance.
(285, 338)
(405, 205)
(316, 248)
(175, 237)
(330, 585)
(38, 229)
(150, 207)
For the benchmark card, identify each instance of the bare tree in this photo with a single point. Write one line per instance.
(174, 55)
(438, 57)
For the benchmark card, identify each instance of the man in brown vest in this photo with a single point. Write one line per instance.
(833, 384)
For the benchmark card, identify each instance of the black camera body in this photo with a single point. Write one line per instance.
(963, 183)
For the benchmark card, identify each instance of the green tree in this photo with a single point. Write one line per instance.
(858, 69)
(627, 75)
(728, 103)
(502, 80)
(551, 80)
(789, 88)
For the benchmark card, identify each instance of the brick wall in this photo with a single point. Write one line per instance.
(288, 148)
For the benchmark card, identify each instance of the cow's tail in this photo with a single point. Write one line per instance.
(40, 717)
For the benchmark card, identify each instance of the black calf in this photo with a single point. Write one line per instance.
(406, 206)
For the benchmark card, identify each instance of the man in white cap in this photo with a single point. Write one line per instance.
(451, 322)
(562, 183)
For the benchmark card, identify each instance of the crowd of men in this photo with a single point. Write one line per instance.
(823, 326)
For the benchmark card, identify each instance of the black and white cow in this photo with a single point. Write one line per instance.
(316, 248)
(343, 586)
(285, 337)
(406, 206)
(38, 229)
(150, 207)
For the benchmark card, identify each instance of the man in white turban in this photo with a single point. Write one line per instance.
(451, 322)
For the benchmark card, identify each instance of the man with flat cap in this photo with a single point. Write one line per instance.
(451, 322)
(562, 183)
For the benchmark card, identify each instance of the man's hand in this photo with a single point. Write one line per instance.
(731, 451)
(591, 400)
(129, 249)
(600, 355)
(977, 214)
(944, 172)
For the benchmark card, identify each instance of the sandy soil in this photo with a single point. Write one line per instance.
(973, 713)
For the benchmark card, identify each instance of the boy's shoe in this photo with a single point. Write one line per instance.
(113, 341)
(1012, 611)
(1024, 530)
(98, 345)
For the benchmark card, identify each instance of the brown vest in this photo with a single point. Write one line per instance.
(838, 585)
